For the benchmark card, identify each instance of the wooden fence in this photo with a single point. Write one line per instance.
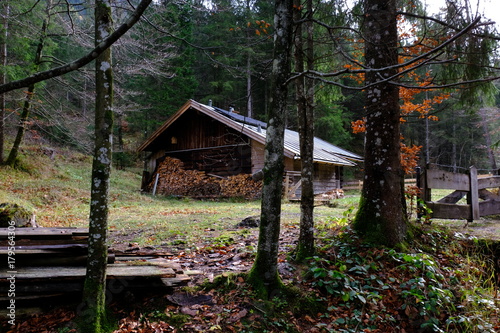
(358, 184)
(481, 201)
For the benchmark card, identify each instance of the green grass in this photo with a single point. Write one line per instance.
(58, 192)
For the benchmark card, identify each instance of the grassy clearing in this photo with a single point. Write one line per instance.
(58, 191)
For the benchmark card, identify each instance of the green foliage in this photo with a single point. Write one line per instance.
(427, 294)
(333, 121)
(437, 291)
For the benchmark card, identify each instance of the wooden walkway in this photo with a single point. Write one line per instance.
(51, 261)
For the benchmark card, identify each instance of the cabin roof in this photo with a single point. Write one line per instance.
(323, 151)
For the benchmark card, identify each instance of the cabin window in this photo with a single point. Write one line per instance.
(173, 140)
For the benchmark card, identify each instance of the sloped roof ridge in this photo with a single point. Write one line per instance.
(240, 118)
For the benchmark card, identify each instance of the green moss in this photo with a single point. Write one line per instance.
(178, 319)
(93, 316)
(223, 282)
(13, 212)
(264, 290)
(368, 226)
(375, 229)
(301, 253)
(301, 302)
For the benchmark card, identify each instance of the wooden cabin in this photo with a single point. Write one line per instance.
(224, 143)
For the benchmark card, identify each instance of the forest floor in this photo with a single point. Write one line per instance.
(436, 286)
(446, 281)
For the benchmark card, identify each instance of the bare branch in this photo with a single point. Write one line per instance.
(407, 66)
(447, 25)
(92, 55)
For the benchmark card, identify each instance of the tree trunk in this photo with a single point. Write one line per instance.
(14, 152)
(264, 273)
(487, 136)
(95, 279)
(305, 111)
(381, 215)
(249, 87)
(4, 33)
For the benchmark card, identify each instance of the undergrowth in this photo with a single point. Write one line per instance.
(438, 286)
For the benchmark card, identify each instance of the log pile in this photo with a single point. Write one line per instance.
(174, 180)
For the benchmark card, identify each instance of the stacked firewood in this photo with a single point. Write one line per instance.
(241, 186)
(173, 180)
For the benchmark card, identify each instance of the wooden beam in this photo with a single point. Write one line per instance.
(45, 233)
(473, 197)
(440, 179)
(68, 272)
(449, 211)
(489, 207)
(453, 197)
(488, 182)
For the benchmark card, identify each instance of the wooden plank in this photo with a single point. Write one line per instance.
(46, 287)
(473, 195)
(489, 207)
(113, 271)
(179, 279)
(440, 179)
(41, 241)
(47, 249)
(449, 211)
(488, 182)
(45, 232)
(487, 195)
(453, 197)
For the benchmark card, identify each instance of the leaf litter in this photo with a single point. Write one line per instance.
(433, 287)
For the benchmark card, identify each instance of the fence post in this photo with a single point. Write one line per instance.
(473, 195)
(418, 173)
(156, 183)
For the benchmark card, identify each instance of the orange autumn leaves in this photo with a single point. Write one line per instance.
(260, 26)
(412, 103)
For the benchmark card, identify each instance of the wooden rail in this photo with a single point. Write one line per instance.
(358, 184)
(480, 200)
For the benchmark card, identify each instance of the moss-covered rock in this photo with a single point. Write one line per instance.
(13, 212)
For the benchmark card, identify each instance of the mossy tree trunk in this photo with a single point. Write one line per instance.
(25, 114)
(381, 215)
(4, 33)
(264, 274)
(303, 55)
(94, 298)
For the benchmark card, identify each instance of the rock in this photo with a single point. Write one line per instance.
(187, 300)
(249, 222)
(20, 215)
